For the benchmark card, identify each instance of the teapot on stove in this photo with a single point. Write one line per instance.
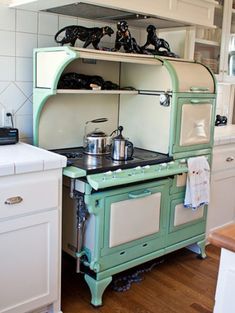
(122, 149)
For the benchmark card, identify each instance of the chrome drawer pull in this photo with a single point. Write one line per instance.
(13, 200)
(230, 159)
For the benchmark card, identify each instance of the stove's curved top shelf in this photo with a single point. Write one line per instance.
(148, 75)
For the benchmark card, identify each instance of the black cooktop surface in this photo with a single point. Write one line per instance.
(102, 163)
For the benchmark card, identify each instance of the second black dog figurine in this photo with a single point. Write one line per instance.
(125, 40)
(91, 35)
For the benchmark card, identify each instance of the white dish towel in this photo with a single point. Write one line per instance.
(198, 183)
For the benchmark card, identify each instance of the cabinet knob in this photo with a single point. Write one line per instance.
(230, 159)
(13, 200)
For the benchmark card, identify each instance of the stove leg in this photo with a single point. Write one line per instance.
(97, 288)
(199, 248)
(202, 246)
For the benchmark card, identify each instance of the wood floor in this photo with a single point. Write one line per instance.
(182, 283)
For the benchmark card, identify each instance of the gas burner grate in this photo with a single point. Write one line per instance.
(101, 163)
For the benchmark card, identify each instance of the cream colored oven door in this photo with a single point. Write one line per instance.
(194, 124)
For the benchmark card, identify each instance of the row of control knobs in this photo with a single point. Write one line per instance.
(141, 170)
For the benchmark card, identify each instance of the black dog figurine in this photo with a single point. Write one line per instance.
(221, 120)
(91, 35)
(124, 39)
(158, 43)
(80, 81)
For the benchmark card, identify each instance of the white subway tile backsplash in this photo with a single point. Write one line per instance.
(25, 43)
(46, 41)
(24, 69)
(7, 38)
(25, 125)
(48, 24)
(26, 21)
(7, 66)
(2, 112)
(66, 21)
(86, 23)
(7, 18)
(27, 140)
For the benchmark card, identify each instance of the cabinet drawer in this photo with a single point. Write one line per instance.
(223, 159)
(27, 193)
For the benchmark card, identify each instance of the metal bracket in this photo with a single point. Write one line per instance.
(164, 96)
(165, 99)
(82, 214)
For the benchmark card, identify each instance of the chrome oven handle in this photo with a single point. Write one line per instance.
(198, 89)
(135, 195)
(13, 200)
(199, 101)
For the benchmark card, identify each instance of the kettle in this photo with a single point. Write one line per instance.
(122, 149)
(97, 142)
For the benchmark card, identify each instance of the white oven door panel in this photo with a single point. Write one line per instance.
(184, 222)
(133, 219)
(184, 215)
(195, 124)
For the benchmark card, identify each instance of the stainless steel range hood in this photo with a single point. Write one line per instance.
(163, 14)
(95, 12)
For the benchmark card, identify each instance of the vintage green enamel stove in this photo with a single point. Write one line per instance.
(117, 218)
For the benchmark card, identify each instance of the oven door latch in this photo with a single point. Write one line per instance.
(82, 215)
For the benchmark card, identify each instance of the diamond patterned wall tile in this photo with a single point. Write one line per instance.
(26, 108)
(12, 98)
(26, 88)
(3, 86)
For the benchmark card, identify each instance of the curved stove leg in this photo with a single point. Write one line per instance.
(97, 288)
(199, 248)
(202, 246)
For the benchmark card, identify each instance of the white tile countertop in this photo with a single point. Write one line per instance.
(224, 135)
(23, 158)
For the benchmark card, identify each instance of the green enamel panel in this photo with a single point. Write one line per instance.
(163, 189)
(130, 264)
(73, 172)
(176, 189)
(99, 205)
(184, 243)
(40, 95)
(112, 179)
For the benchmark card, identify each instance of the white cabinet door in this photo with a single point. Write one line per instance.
(221, 208)
(29, 262)
(222, 205)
